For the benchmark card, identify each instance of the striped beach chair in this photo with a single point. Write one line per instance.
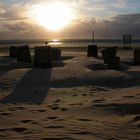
(109, 57)
(13, 51)
(43, 57)
(23, 54)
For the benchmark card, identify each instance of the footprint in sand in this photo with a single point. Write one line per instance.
(138, 125)
(1, 111)
(26, 121)
(55, 127)
(98, 101)
(53, 118)
(58, 108)
(101, 89)
(5, 114)
(16, 108)
(84, 133)
(63, 109)
(112, 139)
(55, 108)
(84, 94)
(2, 130)
(20, 108)
(61, 138)
(85, 120)
(74, 95)
(76, 104)
(128, 96)
(137, 118)
(54, 105)
(18, 129)
(91, 94)
(138, 94)
(41, 110)
(57, 101)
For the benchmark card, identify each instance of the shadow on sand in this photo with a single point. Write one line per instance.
(122, 109)
(32, 88)
(8, 64)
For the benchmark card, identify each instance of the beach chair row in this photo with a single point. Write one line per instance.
(109, 56)
(44, 56)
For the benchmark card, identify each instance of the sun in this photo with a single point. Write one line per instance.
(53, 16)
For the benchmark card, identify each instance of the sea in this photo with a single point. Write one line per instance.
(67, 42)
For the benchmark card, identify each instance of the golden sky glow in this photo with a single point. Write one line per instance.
(53, 16)
(41, 19)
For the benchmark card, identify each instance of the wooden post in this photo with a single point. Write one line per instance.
(92, 49)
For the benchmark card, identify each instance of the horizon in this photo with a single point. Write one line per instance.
(70, 19)
(72, 39)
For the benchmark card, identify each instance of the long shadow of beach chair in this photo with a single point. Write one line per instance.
(109, 56)
(23, 54)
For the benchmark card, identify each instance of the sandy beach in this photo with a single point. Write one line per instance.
(80, 99)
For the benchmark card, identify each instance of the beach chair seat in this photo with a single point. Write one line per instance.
(104, 55)
(136, 54)
(42, 57)
(13, 51)
(92, 51)
(23, 54)
(109, 53)
(113, 63)
(109, 57)
(56, 54)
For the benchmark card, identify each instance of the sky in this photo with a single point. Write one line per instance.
(108, 18)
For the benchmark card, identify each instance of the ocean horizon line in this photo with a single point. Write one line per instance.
(62, 40)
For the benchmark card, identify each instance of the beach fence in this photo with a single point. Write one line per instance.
(109, 56)
(23, 54)
(43, 57)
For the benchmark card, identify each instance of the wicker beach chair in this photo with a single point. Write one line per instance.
(42, 57)
(13, 51)
(23, 54)
(92, 51)
(56, 54)
(136, 54)
(109, 57)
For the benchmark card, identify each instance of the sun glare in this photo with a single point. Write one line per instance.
(53, 16)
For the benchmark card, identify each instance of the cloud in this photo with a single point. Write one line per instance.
(16, 22)
(120, 4)
(80, 28)
(2, 11)
(113, 28)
